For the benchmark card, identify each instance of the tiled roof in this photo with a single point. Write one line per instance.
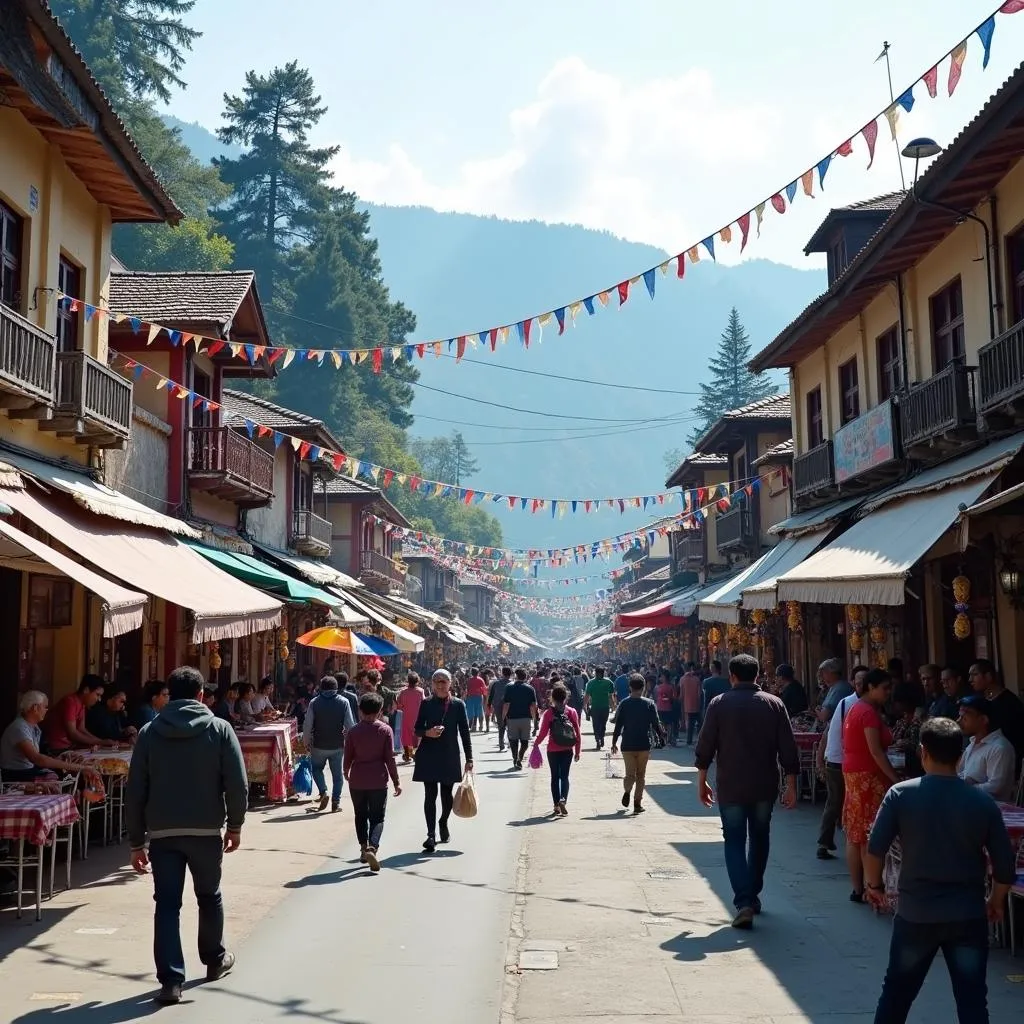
(346, 485)
(705, 459)
(883, 203)
(181, 297)
(856, 277)
(777, 453)
(774, 407)
(240, 406)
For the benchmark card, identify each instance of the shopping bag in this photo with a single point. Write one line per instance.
(464, 803)
(613, 766)
(302, 778)
(536, 759)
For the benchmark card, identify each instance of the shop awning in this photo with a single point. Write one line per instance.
(122, 608)
(723, 604)
(259, 574)
(816, 519)
(406, 642)
(510, 639)
(524, 637)
(309, 568)
(155, 563)
(475, 633)
(870, 562)
(686, 603)
(761, 591)
(455, 635)
(658, 615)
(95, 497)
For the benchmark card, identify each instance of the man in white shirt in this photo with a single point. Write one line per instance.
(988, 761)
(830, 764)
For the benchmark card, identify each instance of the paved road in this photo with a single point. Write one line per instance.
(424, 940)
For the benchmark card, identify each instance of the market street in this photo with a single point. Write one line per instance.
(633, 910)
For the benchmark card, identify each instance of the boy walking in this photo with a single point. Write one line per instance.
(369, 763)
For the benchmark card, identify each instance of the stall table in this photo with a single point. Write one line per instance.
(267, 750)
(112, 767)
(807, 740)
(31, 818)
(1013, 818)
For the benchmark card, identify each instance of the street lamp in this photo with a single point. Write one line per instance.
(920, 149)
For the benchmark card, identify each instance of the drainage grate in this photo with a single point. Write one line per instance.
(538, 960)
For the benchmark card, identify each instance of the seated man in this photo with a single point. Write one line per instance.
(155, 696)
(64, 726)
(226, 702)
(107, 719)
(20, 758)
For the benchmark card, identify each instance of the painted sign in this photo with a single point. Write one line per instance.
(865, 443)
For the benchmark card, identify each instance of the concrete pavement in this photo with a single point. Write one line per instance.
(637, 911)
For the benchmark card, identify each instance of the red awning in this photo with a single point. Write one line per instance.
(653, 616)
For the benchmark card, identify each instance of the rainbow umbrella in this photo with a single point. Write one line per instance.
(346, 641)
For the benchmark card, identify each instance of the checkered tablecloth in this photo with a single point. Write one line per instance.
(1014, 820)
(106, 762)
(33, 818)
(807, 740)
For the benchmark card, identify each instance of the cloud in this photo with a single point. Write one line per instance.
(654, 161)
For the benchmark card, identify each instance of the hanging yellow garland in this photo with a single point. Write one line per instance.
(794, 617)
(215, 659)
(961, 595)
(714, 636)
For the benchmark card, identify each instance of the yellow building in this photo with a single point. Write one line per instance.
(907, 380)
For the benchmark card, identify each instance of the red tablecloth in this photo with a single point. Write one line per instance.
(267, 750)
(1014, 819)
(33, 818)
(807, 740)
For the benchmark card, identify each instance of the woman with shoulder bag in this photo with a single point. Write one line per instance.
(560, 724)
(440, 724)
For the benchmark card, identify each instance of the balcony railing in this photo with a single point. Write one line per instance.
(27, 358)
(1001, 370)
(941, 405)
(445, 594)
(733, 529)
(230, 466)
(382, 566)
(311, 534)
(688, 548)
(814, 471)
(94, 398)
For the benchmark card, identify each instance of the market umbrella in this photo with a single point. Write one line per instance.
(345, 641)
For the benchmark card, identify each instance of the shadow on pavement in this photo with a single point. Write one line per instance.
(539, 819)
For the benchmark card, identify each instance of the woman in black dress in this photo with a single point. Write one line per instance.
(441, 722)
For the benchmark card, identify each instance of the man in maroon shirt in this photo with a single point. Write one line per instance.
(369, 762)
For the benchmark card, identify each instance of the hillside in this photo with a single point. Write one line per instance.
(461, 273)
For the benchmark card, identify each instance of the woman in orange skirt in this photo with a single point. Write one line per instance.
(867, 771)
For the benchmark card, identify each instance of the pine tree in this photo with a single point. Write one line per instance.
(281, 182)
(732, 384)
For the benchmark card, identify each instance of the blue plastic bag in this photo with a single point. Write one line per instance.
(302, 778)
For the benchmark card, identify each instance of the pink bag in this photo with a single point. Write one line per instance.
(536, 758)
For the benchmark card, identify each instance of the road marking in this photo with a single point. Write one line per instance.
(538, 960)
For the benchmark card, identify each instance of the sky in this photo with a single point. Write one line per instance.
(659, 122)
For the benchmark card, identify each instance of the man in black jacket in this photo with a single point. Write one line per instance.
(635, 719)
(186, 772)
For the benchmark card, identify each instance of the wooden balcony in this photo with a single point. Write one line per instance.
(228, 465)
(734, 529)
(938, 414)
(378, 571)
(92, 404)
(27, 360)
(1001, 378)
(444, 596)
(814, 474)
(311, 534)
(687, 550)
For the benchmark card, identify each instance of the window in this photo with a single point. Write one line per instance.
(1015, 262)
(69, 281)
(741, 474)
(302, 489)
(849, 391)
(947, 309)
(10, 257)
(815, 427)
(836, 257)
(890, 367)
(201, 385)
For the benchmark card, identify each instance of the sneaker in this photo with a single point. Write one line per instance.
(362, 854)
(639, 808)
(561, 808)
(757, 905)
(429, 844)
(371, 860)
(825, 854)
(335, 808)
(625, 799)
(744, 918)
(324, 801)
(556, 812)
(217, 971)
(169, 995)
(444, 834)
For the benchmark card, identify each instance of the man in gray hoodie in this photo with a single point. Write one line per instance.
(328, 719)
(187, 779)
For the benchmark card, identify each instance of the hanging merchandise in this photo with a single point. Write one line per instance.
(961, 595)
(530, 329)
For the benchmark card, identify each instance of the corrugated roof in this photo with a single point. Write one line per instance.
(777, 453)
(180, 297)
(858, 285)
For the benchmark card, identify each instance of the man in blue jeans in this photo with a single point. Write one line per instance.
(945, 827)
(747, 734)
(328, 719)
(186, 780)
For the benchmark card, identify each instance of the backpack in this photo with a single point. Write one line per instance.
(561, 730)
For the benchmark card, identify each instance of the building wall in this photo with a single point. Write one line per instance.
(711, 478)
(270, 525)
(140, 468)
(344, 542)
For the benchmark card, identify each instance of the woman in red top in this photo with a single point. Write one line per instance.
(558, 720)
(867, 772)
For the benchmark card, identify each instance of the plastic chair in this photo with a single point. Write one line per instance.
(1016, 893)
